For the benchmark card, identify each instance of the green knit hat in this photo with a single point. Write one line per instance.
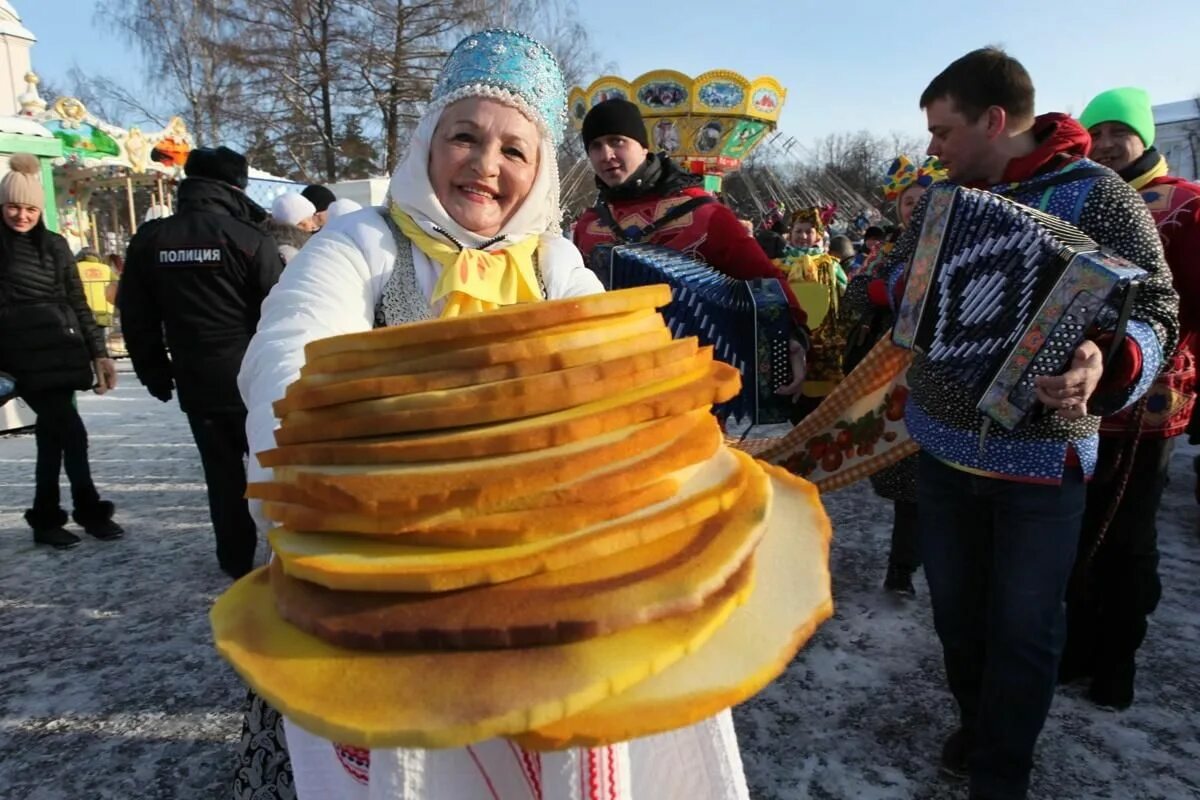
(1128, 105)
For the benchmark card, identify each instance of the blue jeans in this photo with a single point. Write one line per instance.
(998, 556)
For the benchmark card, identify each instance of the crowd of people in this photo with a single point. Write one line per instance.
(1038, 545)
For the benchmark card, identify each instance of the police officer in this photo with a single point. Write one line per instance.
(200, 276)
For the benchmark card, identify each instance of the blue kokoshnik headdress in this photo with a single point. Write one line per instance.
(511, 67)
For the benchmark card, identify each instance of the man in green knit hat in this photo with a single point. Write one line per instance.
(1116, 584)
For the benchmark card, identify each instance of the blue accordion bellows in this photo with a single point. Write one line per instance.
(748, 323)
(998, 293)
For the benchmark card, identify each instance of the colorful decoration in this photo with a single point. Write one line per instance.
(511, 62)
(812, 215)
(129, 168)
(903, 173)
(709, 124)
(858, 429)
(89, 142)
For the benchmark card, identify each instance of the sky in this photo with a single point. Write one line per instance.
(846, 65)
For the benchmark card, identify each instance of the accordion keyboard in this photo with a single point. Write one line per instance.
(998, 293)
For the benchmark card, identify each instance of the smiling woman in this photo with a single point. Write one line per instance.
(472, 225)
(50, 344)
(483, 162)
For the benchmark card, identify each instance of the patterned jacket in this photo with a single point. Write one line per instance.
(940, 415)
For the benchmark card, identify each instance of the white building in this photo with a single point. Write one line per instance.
(1177, 136)
(15, 43)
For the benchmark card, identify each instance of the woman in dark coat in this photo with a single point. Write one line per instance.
(51, 345)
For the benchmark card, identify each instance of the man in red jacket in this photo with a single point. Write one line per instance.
(1116, 586)
(645, 197)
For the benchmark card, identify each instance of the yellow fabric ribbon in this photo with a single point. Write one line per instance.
(1157, 171)
(473, 281)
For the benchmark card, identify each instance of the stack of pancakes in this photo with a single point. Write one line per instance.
(520, 523)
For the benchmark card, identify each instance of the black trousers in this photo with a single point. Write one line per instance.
(998, 557)
(1112, 595)
(61, 439)
(221, 439)
(905, 552)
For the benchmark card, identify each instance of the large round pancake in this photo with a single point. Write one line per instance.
(306, 393)
(440, 699)
(610, 446)
(672, 575)
(502, 321)
(481, 351)
(520, 518)
(610, 464)
(583, 385)
(522, 386)
(361, 564)
(401, 494)
(791, 598)
(677, 396)
(488, 529)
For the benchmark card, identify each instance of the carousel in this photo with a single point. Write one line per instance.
(108, 178)
(725, 127)
(708, 124)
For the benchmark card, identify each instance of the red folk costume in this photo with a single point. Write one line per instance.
(1175, 205)
(662, 204)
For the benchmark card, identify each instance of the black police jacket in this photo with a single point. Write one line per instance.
(200, 277)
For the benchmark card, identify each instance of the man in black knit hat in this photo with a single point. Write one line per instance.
(200, 276)
(645, 197)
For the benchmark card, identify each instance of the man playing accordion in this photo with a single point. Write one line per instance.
(1000, 510)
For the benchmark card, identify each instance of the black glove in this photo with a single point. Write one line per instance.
(161, 391)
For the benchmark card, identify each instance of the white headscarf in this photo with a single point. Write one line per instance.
(412, 192)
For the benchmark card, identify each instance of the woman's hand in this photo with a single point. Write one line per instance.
(799, 358)
(106, 375)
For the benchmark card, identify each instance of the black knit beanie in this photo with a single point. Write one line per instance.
(319, 196)
(218, 164)
(614, 117)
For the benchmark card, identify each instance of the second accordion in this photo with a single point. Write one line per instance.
(748, 323)
(998, 293)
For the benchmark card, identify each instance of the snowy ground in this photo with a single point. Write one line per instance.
(111, 688)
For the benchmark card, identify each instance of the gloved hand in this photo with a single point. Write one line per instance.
(161, 391)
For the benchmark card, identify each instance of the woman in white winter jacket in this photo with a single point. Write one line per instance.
(480, 174)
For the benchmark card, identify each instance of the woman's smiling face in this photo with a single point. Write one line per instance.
(483, 161)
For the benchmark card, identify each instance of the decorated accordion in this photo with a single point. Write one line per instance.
(748, 323)
(998, 293)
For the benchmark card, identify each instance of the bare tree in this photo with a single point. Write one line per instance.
(293, 79)
(400, 46)
(182, 44)
(860, 159)
(109, 100)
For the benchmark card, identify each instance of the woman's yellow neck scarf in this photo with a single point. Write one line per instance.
(472, 281)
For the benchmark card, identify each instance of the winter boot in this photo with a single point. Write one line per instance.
(1112, 685)
(899, 580)
(48, 528)
(955, 751)
(96, 520)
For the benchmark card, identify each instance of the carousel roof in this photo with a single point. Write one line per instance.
(716, 118)
(24, 126)
(89, 143)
